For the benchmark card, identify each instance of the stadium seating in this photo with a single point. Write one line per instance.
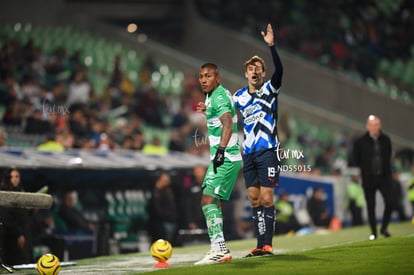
(127, 214)
(98, 55)
(366, 32)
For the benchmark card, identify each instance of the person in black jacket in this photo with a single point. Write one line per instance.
(73, 218)
(194, 217)
(317, 210)
(17, 241)
(372, 154)
(162, 210)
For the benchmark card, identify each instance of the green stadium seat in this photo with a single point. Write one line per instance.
(397, 69)
(385, 66)
(408, 75)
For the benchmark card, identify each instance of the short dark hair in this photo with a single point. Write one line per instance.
(211, 66)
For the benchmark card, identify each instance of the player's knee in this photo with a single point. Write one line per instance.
(267, 197)
(206, 199)
(267, 202)
(255, 202)
(254, 196)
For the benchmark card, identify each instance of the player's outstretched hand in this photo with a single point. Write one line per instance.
(268, 37)
(218, 158)
(201, 108)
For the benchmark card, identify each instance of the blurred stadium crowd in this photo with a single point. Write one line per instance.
(50, 87)
(85, 92)
(371, 41)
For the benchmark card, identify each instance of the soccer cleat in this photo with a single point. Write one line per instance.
(385, 233)
(214, 257)
(267, 250)
(256, 252)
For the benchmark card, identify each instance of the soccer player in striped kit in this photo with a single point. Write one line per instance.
(258, 104)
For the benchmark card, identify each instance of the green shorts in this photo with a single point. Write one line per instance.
(221, 185)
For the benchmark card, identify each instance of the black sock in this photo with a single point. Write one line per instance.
(269, 218)
(259, 225)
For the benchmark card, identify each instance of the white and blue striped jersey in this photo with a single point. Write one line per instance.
(259, 114)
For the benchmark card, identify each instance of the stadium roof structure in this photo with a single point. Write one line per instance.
(95, 159)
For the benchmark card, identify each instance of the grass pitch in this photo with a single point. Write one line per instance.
(347, 251)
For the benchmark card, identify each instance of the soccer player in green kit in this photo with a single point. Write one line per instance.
(226, 160)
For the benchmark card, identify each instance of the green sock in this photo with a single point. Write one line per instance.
(214, 220)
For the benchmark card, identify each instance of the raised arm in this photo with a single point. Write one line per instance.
(269, 39)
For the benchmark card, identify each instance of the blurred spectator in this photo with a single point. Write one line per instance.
(12, 91)
(97, 129)
(80, 89)
(398, 195)
(346, 36)
(51, 144)
(17, 239)
(117, 73)
(317, 209)
(176, 142)
(30, 87)
(75, 60)
(66, 138)
(71, 215)
(147, 69)
(356, 199)
(78, 123)
(118, 79)
(150, 107)
(162, 210)
(57, 95)
(42, 229)
(184, 137)
(105, 143)
(324, 161)
(128, 143)
(194, 217)
(53, 100)
(155, 147)
(55, 64)
(405, 156)
(180, 118)
(13, 114)
(3, 137)
(35, 124)
(286, 221)
(138, 140)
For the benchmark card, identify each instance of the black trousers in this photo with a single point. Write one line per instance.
(356, 213)
(371, 186)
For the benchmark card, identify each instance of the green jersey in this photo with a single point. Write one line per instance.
(217, 103)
